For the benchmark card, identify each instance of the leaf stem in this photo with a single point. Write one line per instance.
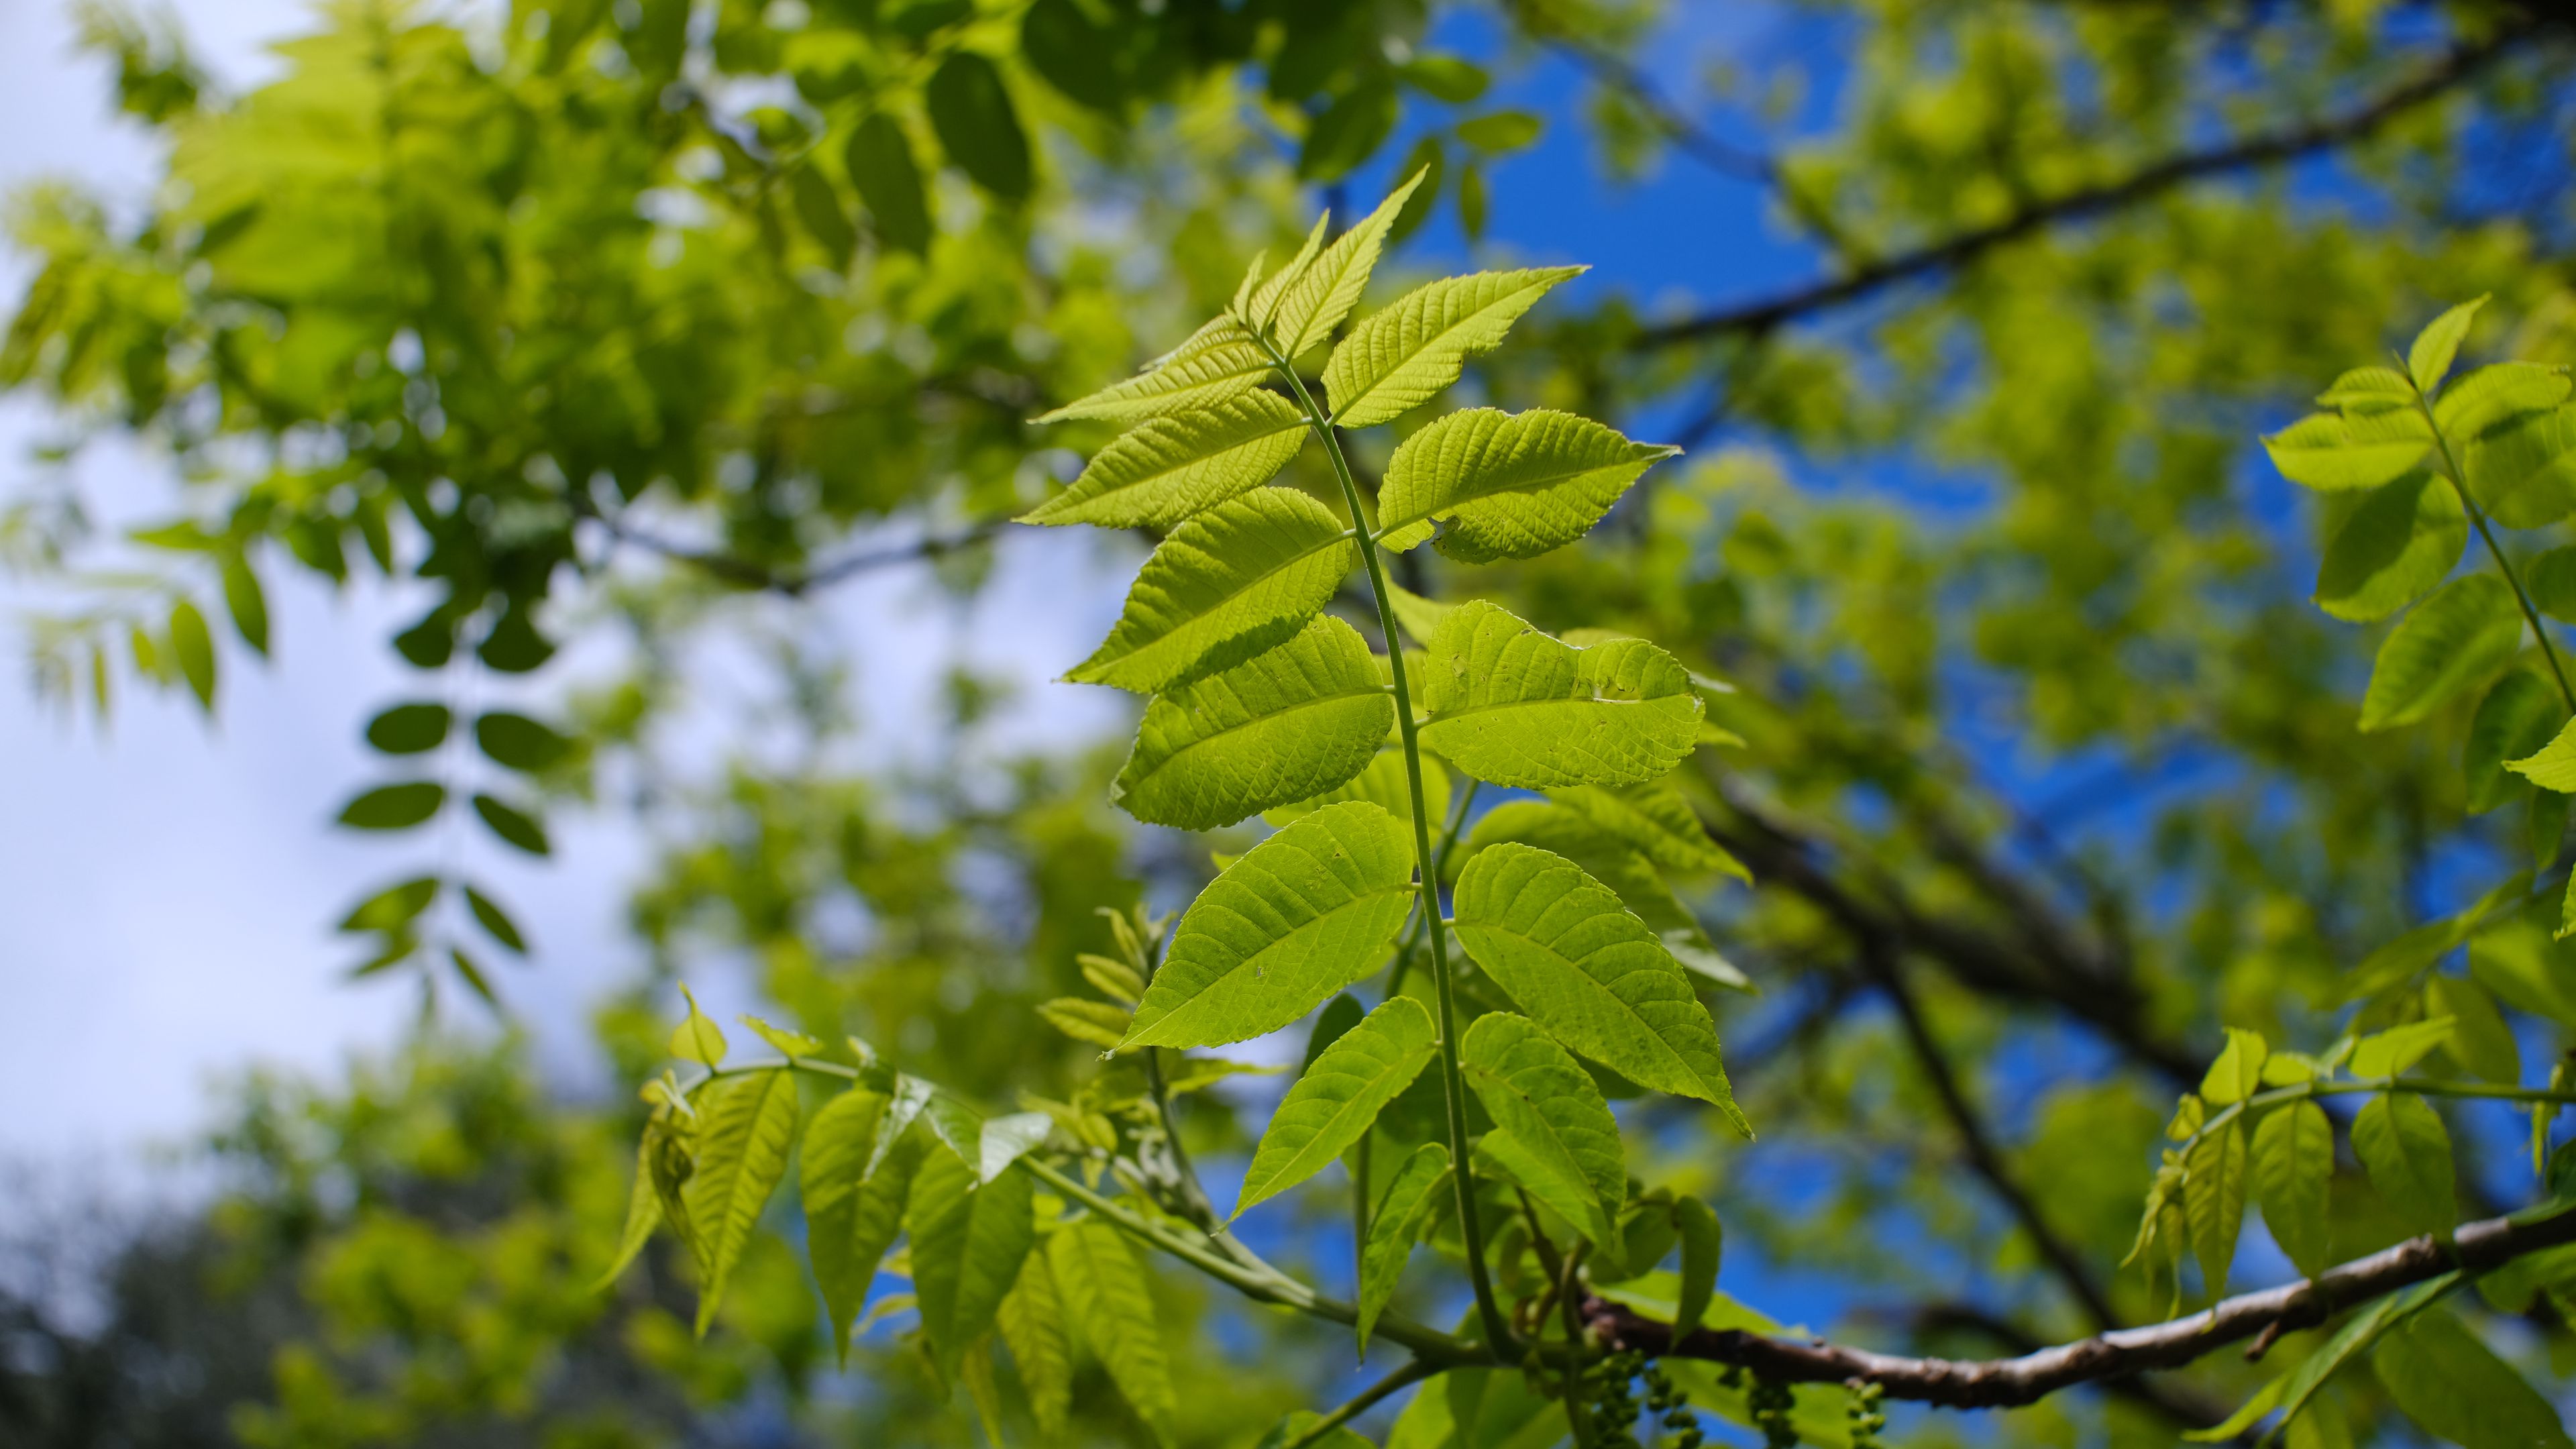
(2477, 517)
(1453, 1085)
(1412, 1372)
(2307, 1091)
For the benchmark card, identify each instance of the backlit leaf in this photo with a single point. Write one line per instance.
(2456, 1388)
(2428, 360)
(2402, 1144)
(1033, 1325)
(2482, 399)
(1511, 706)
(852, 1215)
(1106, 1294)
(1300, 916)
(2519, 716)
(1173, 467)
(2293, 1170)
(977, 123)
(1509, 485)
(2404, 538)
(1230, 583)
(1404, 1212)
(1553, 1110)
(1321, 294)
(2524, 472)
(1280, 727)
(746, 1125)
(2453, 640)
(968, 1239)
(1217, 362)
(2343, 454)
(2214, 1201)
(1412, 349)
(1337, 1099)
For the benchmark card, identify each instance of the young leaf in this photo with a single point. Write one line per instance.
(1231, 583)
(1508, 485)
(2369, 390)
(2465, 632)
(967, 1242)
(697, 1038)
(2456, 1389)
(2491, 395)
(2402, 1144)
(394, 807)
(2293, 1170)
(1106, 1294)
(889, 180)
(2403, 539)
(1096, 1022)
(2428, 361)
(853, 1214)
(1219, 361)
(643, 1215)
(972, 112)
(1550, 1182)
(2345, 454)
(1412, 349)
(1339, 1097)
(1283, 726)
(1174, 467)
(1403, 1213)
(2214, 1201)
(246, 602)
(1513, 707)
(409, 729)
(2389, 1053)
(1566, 952)
(1033, 1325)
(2553, 765)
(1006, 1139)
(1316, 300)
(1703, 1241)
(2238, 1071)
(1300, 916)
(2519, 716)
(1552, 1110)
(744, 1133)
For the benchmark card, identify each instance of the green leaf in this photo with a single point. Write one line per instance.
(517, 742)
(2517, 718)
(2491, 395)
(2247, 1415)
(977, 124)
(2293, 1172)
(2550, 579)
(2553, 765)
(2402, 1144)
(1033, 1325)
(394, 807)
(1404, 1212)
(1349, 130)
(1217, 362)
(1300, 916)
(1080, 58)
(1339, 1097)
(1298, 1427)
(1554, 1112)
(1174, 467)
(409, 729)
(1567, 953)
(495, 921)
(1320, 295)
(2456, 1389)
(827, 220)
(246, 602)
(1008, 1138)
(1332, 1023)
(1479, 1409)
(643, 1215)
(2524, 473)
(1106, 1294)
(1703, 1241)
(1283, 726)
(2344, 454)
(853, 1214)
(1446, 78)
(2453, 640)
(1096, 1022)
(2369, 390)
(1509, 485)
(2389, 1053)
(697, 1038)
(512, 824)
(1501, 130)
(1655, 820)
(968, 1239)
(2428, 361)
(2403, 539)
(745, 1126)
(1420, 618)
(1383, 783)
(785, 1041)
(889, 180)
(2359, 1332)
(1231, 583)
(393, 907)
(2238, 1072)
(2213, 1201)
(1412, 349)
(2479, 1041)
(1513, 707)
(195, 650)
(2517, 960)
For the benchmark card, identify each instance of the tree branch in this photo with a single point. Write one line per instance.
(792, 583)
(2456, 67)
(2173, 1401)
(2028, 1378)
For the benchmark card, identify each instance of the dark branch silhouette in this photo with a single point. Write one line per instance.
(793, 582)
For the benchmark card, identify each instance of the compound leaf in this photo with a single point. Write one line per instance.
(1227, 585)
(743, 1137)
(1217, 362)
(1283, 726)
(1511, 706)
(1177, 466)
(1412, 349)
(1509, 485)
(1316, 299)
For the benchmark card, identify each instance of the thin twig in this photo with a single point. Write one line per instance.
(1412, 1372)
(792, 583)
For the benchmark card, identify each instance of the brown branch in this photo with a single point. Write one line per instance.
(2173, 1401)
(2028, 1378)
(2456, 67)
(1878, 958)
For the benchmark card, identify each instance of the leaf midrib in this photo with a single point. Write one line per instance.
(1345, 405)
(1600, 988)
(1097, 664)
(1371, 691)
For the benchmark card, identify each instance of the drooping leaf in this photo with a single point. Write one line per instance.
(1554, 1112)
(1033, 1325)
(643, 1215)
(2358, 1333)
(2519, 716)
(2404, 538)
(852, 1214)
(1404, 1212)
(2293, 1170)
(2456, 1388)
(1655, 820)
(2247, 1415)
(512, 824)
(194, 648)
(1316, 299)
(518, 742)
(1513, 707)
(1412, 349)
(1219, 361)
(2214, 1201)
(1006, 1139)
(1283, 726)
(1173, 467)
(1567, 953)
(1353, 126)
(1703, 1243)
(1509, 485)
(495, 921)
(1106, 1294)
(968, 1238)
(2344, 454)
(2428, 360)
(1479, 1409)
(1300, 916)
(2407, 1152)
(881, 165)
(2465, 632)
(978, 125)
(394, 807)
(1338, 1098)
(746, 1126)
(1232, 582)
